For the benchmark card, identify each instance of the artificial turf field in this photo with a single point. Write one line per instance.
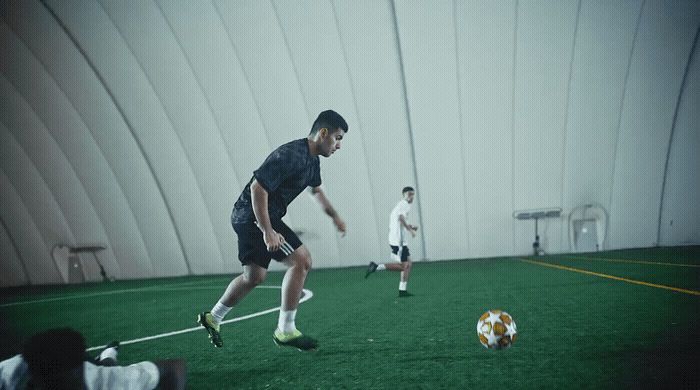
(576, 330)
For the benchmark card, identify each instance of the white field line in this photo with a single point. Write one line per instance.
(163, 287)
(306, 296)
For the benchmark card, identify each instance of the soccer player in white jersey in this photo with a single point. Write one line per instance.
(397, 241)
(56, 359)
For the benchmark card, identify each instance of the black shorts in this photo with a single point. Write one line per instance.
(405, 253)
(252, 248)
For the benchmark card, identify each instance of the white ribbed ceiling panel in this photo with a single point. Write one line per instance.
(659, 61)
(428, 47)
(604, 43)
(13, 270)
(26, 239)
(485, 47)
(31, 213)
(55, 168)
(543, 63)
(76, 142)
(162, 60)
(376, 81)
(134, 94)
(137, 124)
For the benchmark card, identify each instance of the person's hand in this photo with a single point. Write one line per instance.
(273, 240)
(413, 233)
(414, 227)
(340, 225)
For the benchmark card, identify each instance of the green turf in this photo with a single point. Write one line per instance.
(575, 330)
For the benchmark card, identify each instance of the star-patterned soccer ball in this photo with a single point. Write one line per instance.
(496, 329)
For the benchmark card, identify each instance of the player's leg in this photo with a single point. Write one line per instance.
(407, 265)
(287, 334)
(255, 259)
(299, 263)
(297, 257)
(239, 287)
(242, 284)
(406, 269)
(394, 266)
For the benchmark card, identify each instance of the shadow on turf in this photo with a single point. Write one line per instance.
(671, 363)
(11, 340)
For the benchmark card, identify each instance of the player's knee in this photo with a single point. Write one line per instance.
(258, 279)
(255, 278)
(302, 259)
(305, 262)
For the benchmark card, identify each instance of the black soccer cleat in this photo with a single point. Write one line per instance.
(207, 321)
(372, 267)
(404, 294)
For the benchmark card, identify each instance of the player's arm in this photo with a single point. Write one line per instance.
(412, 229)
(328, 208)
(259, 196)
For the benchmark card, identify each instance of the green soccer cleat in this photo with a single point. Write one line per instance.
(372, 267)
(207, 321)
(294, 339)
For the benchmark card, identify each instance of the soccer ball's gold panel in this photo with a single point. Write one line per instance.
(506, 318)
(484, 316)
(499, 329)
(504, 342)
(483, 340)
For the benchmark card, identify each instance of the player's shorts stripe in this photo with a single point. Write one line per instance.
(286, 248)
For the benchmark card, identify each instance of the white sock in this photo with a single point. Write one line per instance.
(381, 267)
(109, 353)
(402, 286)
(285, 323)
(219, 312)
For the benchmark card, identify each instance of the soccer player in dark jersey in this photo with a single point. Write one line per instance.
(262, 236)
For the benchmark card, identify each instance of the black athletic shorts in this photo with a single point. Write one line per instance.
(405, 253)
(252, 248)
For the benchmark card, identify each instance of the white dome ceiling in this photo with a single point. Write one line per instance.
(137, 124)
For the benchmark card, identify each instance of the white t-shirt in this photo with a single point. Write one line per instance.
(14, 374)
(143, 375)
(397, 236)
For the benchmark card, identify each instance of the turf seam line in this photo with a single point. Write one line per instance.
(308, 294)
(661, 286)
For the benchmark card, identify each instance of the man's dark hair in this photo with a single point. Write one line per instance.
(330, 120)
(406, 189)
(52, 354)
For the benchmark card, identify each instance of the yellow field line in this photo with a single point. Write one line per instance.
(632, 261)
(582, 271)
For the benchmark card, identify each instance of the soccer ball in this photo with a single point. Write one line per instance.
(496, 329)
